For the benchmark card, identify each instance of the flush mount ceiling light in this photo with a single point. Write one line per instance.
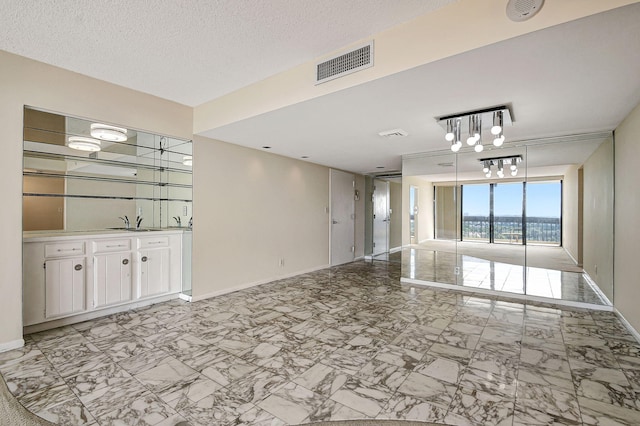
(83, 144)
(500, 163)
(187, 160)
(495, 118)
(108, 133)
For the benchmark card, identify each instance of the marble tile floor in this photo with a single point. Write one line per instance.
(348, 342)
(438, 266)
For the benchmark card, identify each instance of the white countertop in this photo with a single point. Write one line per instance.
(34, 236)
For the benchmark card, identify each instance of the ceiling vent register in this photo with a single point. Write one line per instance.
(344, 64)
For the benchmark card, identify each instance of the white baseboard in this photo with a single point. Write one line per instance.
(596, 288)
(254, 284)
(368, 257)
(627, 324)
(185, 297)
(507, 296)
(395, 249)
(359, 258)
(14, 344)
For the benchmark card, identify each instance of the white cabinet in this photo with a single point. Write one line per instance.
(64, 276)
(111, 279)
(64, 286)
(154, 271)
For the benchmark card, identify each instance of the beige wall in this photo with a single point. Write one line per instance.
(395, 225)
(447, 212)
(252, 208)
(425, 208)
(570, 211)
(26, 82)
(627, 206)
(598, 217)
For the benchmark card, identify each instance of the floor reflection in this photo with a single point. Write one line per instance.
(440, 267)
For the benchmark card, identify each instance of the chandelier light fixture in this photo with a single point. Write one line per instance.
(471, 124)
(510, 161)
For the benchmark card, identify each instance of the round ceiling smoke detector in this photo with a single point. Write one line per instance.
(522, 10)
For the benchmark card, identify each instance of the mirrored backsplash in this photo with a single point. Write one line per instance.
(85, 175)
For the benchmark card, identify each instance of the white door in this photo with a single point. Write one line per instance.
(342, 211)
(64, 286)
(154, 272)
(112, 278)
(380, 217)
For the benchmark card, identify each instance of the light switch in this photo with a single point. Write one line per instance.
(184, 210)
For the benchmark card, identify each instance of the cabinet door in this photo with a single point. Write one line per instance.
(64, 286)
(154, 272)
(112, 278)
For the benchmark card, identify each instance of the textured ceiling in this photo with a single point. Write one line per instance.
(192, 51)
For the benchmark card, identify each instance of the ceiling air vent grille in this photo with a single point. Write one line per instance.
(347, 63)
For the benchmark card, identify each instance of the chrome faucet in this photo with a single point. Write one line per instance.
(178, 220)
(126, 221)
(138, 221)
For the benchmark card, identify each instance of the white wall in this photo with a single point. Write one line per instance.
(27, 82)
(360, 216)
(252, 208)
(395, 225)
(598, 217)
(627, 206)
(570, 211)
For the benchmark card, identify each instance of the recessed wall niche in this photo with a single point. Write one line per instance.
(146, 176)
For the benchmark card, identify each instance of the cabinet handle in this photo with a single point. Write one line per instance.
(154, 242)
(118, 245)
(73, 249)
(78, 267)
(125, 261)
(144, 258)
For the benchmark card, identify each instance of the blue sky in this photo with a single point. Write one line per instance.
(543, 199)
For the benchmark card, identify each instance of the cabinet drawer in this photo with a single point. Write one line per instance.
(71, 248)
(109, 246)
(153, 242)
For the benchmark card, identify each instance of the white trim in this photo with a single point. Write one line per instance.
(596, 288)
(185, 297)
(507, 295)
(627, 324)
(14, 344)
(254, 284)
(359, 258)
(368, 257)
(395, 249)
(97, 313)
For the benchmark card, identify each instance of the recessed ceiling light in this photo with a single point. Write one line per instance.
(380, 167)
(266, 147)
(83, 144)
(304, 156)
(108, 133)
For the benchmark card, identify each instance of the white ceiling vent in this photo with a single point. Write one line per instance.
(346, 63)
(395, 133)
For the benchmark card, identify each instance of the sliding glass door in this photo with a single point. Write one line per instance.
(498, 213)
(507, 212)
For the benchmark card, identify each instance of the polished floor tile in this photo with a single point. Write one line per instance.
(349, 342)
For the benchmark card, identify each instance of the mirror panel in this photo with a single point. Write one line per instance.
(67, 189)
(545, 231)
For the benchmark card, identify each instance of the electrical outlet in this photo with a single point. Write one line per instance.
(184, 210)
(456, 270)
